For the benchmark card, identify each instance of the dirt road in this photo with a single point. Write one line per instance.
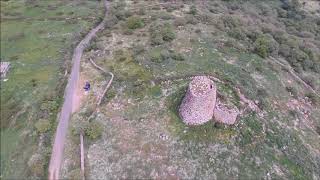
(66, 111)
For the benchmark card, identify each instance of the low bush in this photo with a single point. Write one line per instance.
(315, 100)
(177, 56)
(43, 125)
(94, 130)
(282, 13)
(36, 165)
(157, 55)
(120, 15)
(49, 105)
(284, 50)
(193, 10)
(138, 49)
(165, 16)
(261, 47)
(265, 45)
(134, 22)
(252, 33)
(296, 59)
(293, 91)
(160, 33)
(168, 32)
(309, 80)
(237, 33)
(230, 21)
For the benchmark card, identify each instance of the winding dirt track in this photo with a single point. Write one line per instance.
(66, 111)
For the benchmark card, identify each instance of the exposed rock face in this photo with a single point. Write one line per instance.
(198, 104)
(224, 114)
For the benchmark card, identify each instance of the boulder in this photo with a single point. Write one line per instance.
(198, 104)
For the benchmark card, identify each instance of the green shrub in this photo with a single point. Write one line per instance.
(94, 130)
(193, 10)
(79, 126)
(284, 50)
(138, 49)
(293, 91)
(230, 21)
(155, 58)
(282, 13)
(315, 100)
(128, 14)
(167, 32)
(237, 33)
(160, 33)
(296, 59)
(261, 47)
(120, 15)
(156, 55)
(177, 56)
(134, 22)
(156, 91)
(310, 80)
(49, 105)
(165, 16)
(120, 5)
(36, 165)
(265, 45)
(252, 33)
(43, 125)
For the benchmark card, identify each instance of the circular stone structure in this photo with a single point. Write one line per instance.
(198, 104)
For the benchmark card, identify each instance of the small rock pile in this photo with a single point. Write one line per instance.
(225, 114)
(200, 104)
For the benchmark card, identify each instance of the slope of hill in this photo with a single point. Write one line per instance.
(265, 53)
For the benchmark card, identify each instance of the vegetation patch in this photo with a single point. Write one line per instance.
(161, 33)
(43, 125)
(134, 22)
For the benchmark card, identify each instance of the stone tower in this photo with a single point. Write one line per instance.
(198, 104)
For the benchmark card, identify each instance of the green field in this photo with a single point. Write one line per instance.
(37, 38)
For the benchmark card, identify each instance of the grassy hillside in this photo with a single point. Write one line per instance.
(37, 38)
(264, 53)
(152, 47)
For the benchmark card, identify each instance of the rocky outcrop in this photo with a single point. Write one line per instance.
(198, 104)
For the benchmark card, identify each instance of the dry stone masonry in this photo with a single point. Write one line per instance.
(199, 101)
(225, 114)
(200, 104)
